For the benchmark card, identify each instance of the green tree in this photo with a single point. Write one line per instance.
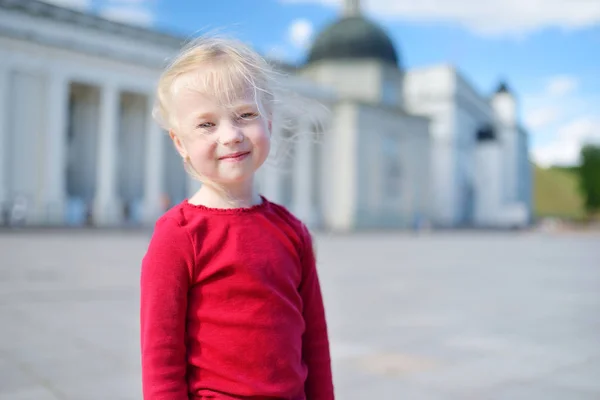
(589, 177)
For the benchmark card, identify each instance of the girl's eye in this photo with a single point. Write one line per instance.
(205, 125)
(248, 116)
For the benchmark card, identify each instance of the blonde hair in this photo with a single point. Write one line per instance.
(227, 69)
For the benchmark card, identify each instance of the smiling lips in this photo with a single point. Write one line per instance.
(238, 156)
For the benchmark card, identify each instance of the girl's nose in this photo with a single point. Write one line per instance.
(230, 134)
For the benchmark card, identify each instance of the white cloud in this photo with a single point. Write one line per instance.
(561, 85)
(561, 120)
(80, 5)
(542, 117)
(550, 103)
(493, 17)
(300, 33)
(129, 14)
(581, 130)
(556, 153)
(565, 148)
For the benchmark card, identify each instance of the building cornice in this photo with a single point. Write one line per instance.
(63, 15)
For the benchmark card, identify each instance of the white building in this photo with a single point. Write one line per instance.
(78, 145)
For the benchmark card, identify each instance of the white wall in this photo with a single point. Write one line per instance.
(472, 113)
(385, 134)
(489, 164)
(365, 81)
(430, 92)
(525, 173)
(356, 80)
(458, 111)
(511, 163)
(509, 160)
(504, 105)
(465, 146)
(428, 85)
(392, 86)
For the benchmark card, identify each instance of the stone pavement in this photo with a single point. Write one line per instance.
(470, 315)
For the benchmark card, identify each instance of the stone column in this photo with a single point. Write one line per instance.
(55, 180)
(154, 168)
(4, 170)
(303, 165)
(106, 205)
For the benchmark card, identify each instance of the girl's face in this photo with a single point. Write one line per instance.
(224, 144)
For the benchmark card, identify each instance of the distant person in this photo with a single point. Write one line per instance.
(231, 305)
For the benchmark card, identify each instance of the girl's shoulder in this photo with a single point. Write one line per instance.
(284, 213)
(177, 225)
(173, 219)
(171, 249)
(294, 223)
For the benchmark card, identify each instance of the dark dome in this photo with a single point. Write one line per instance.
(353, 38)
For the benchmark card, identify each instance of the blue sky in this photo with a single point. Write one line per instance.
(547, 50)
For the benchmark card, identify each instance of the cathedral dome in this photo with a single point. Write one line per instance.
(353, 38)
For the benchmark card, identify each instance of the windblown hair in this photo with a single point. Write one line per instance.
(223, 69)
(228, 70)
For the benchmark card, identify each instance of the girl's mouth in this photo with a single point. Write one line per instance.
(238, 156)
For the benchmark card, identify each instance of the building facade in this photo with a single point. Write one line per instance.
(78, 145)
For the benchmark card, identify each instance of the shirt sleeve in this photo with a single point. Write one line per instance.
(165, 278)
(315, 341)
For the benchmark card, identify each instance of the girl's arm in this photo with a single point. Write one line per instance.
(165, 278)
(315, 342)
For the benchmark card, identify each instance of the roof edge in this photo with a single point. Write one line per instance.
(42, 9)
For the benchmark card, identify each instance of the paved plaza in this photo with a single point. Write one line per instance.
(470, 315)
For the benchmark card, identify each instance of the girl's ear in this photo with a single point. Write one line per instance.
(178, 145)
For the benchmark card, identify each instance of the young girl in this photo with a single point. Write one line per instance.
(231, 306)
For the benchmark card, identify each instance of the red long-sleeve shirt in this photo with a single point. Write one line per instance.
(231, 307)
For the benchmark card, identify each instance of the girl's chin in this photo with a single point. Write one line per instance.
(232, 180)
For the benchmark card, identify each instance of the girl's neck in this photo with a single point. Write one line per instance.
(239, 197)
